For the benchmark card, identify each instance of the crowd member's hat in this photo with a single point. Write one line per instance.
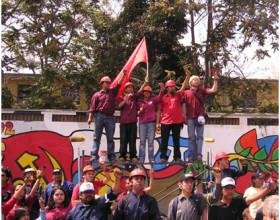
(228, 181)
(28, 170)
(86, 187)
(57, 170)
(88, 168)
(186, 176)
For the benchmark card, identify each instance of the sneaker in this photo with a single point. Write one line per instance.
(152, 161)
(162, 160)
(134, 160)
(122, 159)
(178, 160)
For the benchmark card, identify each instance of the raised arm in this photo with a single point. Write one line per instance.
(260, 194)
(217, 195)
(123, 74)
(142, 87)
(39, 176)
(215, 85)
(107, 175)
(187, 78)
(117, 183)
(151, 185)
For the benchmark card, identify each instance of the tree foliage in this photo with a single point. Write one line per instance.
(78, 41)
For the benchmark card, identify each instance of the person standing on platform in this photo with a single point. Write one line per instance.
(102, 107)
(194, 98)
(147, 121)
(128, 122)
(171, 117)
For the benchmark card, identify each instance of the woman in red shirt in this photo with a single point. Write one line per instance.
(57, 205)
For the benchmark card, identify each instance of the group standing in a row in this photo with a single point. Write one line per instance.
(168, 111)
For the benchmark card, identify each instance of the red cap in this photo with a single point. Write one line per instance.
(105, 79)
(88, 168)
(137, 172)
(221, 155)
(170, 83)
(147, 89)
(129, 84)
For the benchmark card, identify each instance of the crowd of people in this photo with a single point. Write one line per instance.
(169, 111)
(62, 200)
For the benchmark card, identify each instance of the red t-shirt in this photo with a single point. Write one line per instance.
(171, 108)
(96, 183)
(195, 102)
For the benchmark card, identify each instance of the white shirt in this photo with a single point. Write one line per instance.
(255, 206)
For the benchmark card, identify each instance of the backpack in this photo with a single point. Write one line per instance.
(197, 201)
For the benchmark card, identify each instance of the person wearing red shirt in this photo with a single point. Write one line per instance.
(102, 107)
(57, 206)
(128, 121)
(171, 117)
(147, 121)
(194, 98)
(88, 175)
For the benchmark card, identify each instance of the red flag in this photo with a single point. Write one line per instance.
(139, 55)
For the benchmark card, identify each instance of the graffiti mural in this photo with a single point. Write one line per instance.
(50, 149)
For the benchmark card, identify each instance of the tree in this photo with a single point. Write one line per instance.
(76, 42)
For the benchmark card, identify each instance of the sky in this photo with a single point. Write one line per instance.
(267, 68)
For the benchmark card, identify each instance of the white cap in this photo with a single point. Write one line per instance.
(201, 120)
(27, 170)
(227, 181)
(86, 187)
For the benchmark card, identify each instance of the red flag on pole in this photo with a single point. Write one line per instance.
(139, 55)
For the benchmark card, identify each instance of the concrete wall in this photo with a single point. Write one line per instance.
(41, 138)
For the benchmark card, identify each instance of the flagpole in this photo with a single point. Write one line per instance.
(147, 75)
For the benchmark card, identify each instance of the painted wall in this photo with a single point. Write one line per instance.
(46, 143)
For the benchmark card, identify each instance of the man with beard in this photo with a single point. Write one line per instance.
(88, 176)
(91, 208)
(137, 204)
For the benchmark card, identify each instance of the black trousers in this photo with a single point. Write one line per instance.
(128, 135)
(165, 132)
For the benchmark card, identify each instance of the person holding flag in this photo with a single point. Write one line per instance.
(102, 103)
(128, 121)
(171, 117)
(102, 107)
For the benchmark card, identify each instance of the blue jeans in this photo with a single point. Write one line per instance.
(147, 132)
(195, 132)
(108, 122)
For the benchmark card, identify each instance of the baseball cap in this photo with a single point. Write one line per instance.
(186, 176)
(85, 187)
(27, 170)
(228, 181)
(57, 170)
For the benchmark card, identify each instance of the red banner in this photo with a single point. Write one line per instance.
(139, 55)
